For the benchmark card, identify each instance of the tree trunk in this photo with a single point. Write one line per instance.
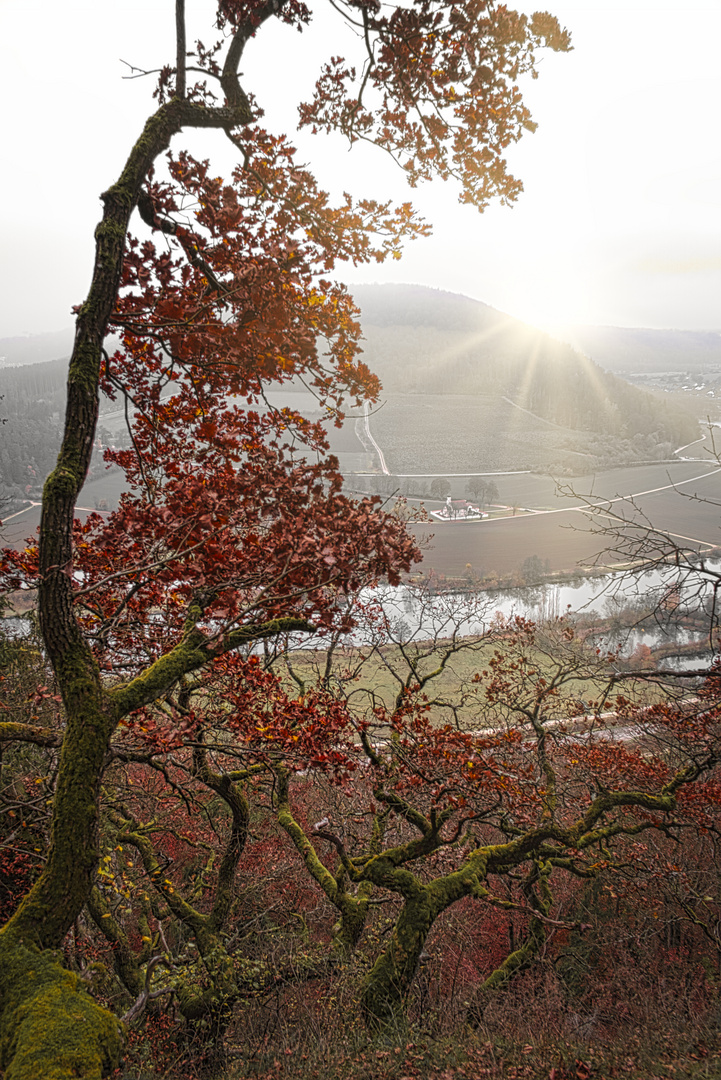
(388, 983)
(49, 1025)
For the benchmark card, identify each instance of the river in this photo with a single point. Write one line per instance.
(416, 614)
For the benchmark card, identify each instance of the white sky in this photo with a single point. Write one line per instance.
(620, 222)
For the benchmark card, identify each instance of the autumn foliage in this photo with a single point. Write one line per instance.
(239, 795)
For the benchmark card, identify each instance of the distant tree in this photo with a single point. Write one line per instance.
(491, 494)
(534, 569)
(484, 490)
(440, 487)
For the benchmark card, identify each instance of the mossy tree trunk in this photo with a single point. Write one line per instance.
(205, 1004)
(538, 895)
(541, 850)
(49, 1025)
(387, 985)
(352, 907)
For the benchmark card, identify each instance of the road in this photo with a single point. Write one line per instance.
(602, 503)
(374, 444)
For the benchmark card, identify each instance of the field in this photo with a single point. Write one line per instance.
(454, 433)
(455, 436)
(500, 545)
(563, 537)
(476, 433)
(482, 435)
(374, 678)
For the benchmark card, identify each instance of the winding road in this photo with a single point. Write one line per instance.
(374, 444)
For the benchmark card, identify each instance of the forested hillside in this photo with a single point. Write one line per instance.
(32, 408)
(421, 340)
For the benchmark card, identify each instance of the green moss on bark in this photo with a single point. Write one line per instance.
(50, 1027)
(389, 981)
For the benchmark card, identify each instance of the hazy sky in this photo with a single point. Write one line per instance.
(620, 221)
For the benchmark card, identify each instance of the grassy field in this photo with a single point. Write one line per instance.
(477, 433)
(418, 432)
(373, 678)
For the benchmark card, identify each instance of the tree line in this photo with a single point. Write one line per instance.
(33, 407)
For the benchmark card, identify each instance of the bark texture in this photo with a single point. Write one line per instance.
(49, 1025)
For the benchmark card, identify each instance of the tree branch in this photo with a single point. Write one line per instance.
(180, 48)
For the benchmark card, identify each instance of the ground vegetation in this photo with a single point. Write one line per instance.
(284, 851)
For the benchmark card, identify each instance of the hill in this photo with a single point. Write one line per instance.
(424, 341)
(32, 408)
(32, 411)
(466, 388)
(35, 348)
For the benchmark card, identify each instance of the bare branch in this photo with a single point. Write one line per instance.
(180, 48)
(138, 1006)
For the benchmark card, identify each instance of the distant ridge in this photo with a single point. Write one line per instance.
(420, 305)
(615, 348)
(36, 348)
(629, 349)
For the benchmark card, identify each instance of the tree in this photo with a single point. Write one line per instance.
(440, 487)
(682, 580)
(539, 796)
(234, 529)
(534, 569)
(491, 493)
(485, 491)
